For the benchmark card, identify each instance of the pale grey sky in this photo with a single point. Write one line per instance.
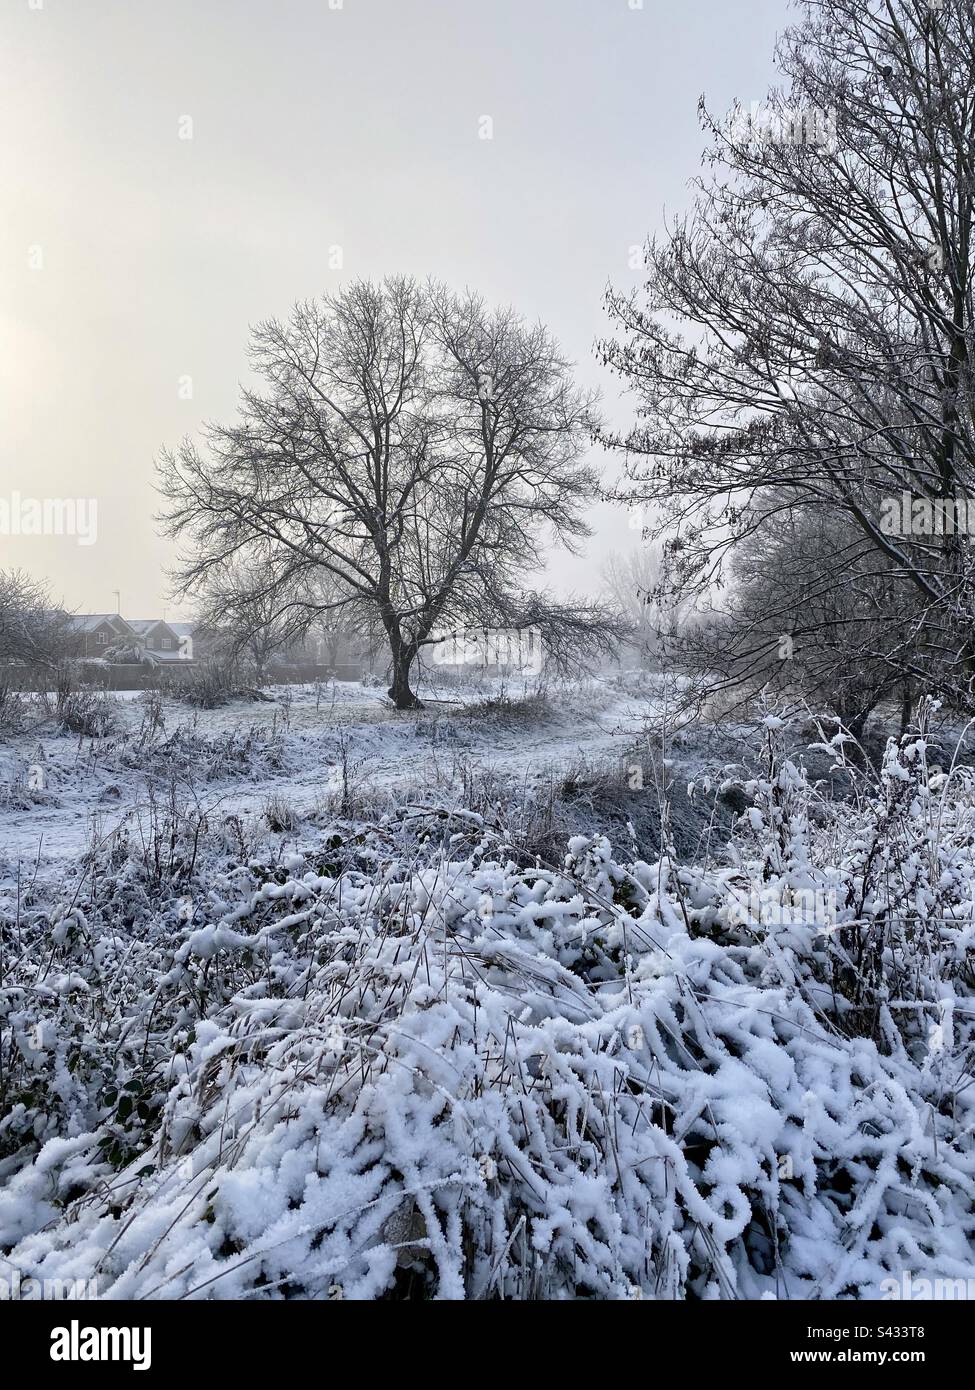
(132, 259)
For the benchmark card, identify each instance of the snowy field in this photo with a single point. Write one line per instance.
(59, 793)
(293, 1006)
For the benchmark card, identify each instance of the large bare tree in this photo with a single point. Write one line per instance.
(805, 337)
(412, 447)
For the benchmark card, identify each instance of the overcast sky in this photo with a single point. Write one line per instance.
(133, 260)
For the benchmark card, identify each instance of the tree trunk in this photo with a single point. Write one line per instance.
(399, 692)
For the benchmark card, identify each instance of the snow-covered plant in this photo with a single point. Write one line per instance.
(391, 1067)
(873, 910)
(123, 654)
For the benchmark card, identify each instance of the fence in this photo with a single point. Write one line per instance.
(142, 676)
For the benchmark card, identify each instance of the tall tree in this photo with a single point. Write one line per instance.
(408, 444)
(632, 579)
(805, 337)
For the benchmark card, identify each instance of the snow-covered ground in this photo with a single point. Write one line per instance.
(384, 1059)
(295, 746)
(305, 997)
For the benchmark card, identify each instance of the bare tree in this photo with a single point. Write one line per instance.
(633, 580)
(410, 446)
(344, 631)
(251, 616)
(822, 292)
(32, 630)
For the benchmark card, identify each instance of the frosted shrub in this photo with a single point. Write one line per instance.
(372, 1071)
(875, 911)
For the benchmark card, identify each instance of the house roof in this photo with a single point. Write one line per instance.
(144, 625)
(183, 629)
(88, 622)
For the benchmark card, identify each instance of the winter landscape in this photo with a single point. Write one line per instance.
(528, 850)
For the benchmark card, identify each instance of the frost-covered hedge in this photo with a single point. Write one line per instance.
(370, 1071)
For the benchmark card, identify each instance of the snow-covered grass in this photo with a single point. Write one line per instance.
(58, 789)
(392, 1060)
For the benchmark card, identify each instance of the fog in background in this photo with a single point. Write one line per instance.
(133, 260)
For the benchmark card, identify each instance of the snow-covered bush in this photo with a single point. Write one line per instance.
(388, 1068)
(84, 711)
(210, 686)
(124, 654)
(874, 896)
(244, 752)
(15, 706)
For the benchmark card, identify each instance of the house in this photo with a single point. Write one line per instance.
(199, 641)
(159, 642)
(93, 634)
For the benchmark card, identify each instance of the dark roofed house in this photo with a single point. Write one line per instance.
(93, 634)
(200, 641)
